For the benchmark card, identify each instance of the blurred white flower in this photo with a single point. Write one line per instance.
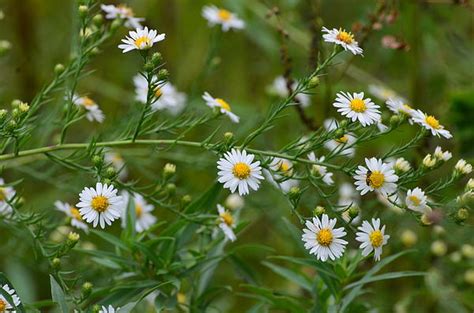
(225, 18)
(282, 170)
(93, 112)
(416, 200)
(342, 38)
(73, 213)
(143, 217)
(222, 105)
(167, 96)
(140, 39)
(278, 87)
(398, 106)
(320, 170)
(384, 93)
(372, 238)
(6, 194)
(355, 107)
(227, 223)
(234, 202)
(124, 12)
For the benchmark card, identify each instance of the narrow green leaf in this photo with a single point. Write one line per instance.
(298, 278)
(58, 296)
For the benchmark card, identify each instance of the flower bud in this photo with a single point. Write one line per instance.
(462, 215)
(313, 82)
(170, 188)
(16, 113)
(163, 74)
(86, 289)
(439, 248)
(234, 202)
(462, 167)
(470, 184)
(97, 160)
(98, 20)
(96, 308)
(401, 165)
(11, 125)
(319, 210)
(107, 181)
(83, 10)
(394, 120)
(156, 59)
(169, 170)
(116, 24)
(467, 251)
(409, 238)
(294, 192)
(228, 136)
(429, 161)
(343, 123)
(23, 107)
(353, 211)
(339, 133)
(56, 263)
(469, 276)
(455, 257)
(149, 67)
(110, 172)
(16, 103)
(5, 46)
(59, 69)
(72, 239)
(185, 200)
(3, 114)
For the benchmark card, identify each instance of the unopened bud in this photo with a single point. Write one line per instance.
(170, 188)
(429, 161)
(16, 103)
(169, 170)
(107, 181)
(97, 160)
(319, 210)
(228, 136)
(439, 248)
(163, 74)
(313, 82)
(339, 133)
(83, 9)
(98, 20)
(3, 114)
(72, 239)
(156, 59)
(11, 125)
(294, 192)
(5, 46)
(59, 69)
(110, 172)
(343, 123)
(409, 238)
(462, 215)
(234, 202)
(115, 24)
(394, 120)
(353, 211)
(56, 263)
(149, 67)
(86, 289)
(186, 199)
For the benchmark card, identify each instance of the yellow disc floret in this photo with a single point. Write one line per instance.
(376, 238)
(223, 104)
(224, 15)
(138, 210)
(143, 41)
(3, 195)
(3, 306)
(432, 121)
(416, 201)
(75, 213)
(375, 179)
(345, 37)
(100, 203)
(358, 105)
(241, 170)
(227, 218)
(324, 237)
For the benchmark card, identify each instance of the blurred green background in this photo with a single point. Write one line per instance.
(434, 70)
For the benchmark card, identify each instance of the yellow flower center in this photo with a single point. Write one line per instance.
(343, 139)
(75, 213)
(138, 210)
(143, 41)
(241, 170)
(432, 121)
(345, 37)
(87, 102)
(324, 237)
(227, 218)
(3, 306)
(358, 105)
(223, 104)
(376, 238)
(224, 15)
(416, 201)
(3, 195)
(158, 92)
(375, 179)
(284, 166)
(100, 203)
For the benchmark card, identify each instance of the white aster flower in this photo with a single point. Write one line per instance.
(342, 144)
(431, 123)
(93, 112)
(124, 12)
(429, 161)
(225, 18)
(222, 105)
(109, 309)
(355, 107)
(463, 167)
(167, 96)
(416, 200)
(372, 238)
(6, 306)
(6, 194)
(117, 161)
(442, 155)
(237, 170)
(278, 87)
(143, 217)
(73, 213)
(322, 239)
(140, 39)
(226, 223)
(100, 205)
(320, 170)
(399, 106)
(282, 170)
(376, 176)
(344, 39)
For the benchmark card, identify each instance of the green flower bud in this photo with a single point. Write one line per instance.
(339, 133)
(343, 123)
(56, 263)
(149, 67)
(394, 120)
(3, 114)
(170, 188)
(96, 308)
(156, 59)
(72, 239)
(83, 10)
(319, 210)
(313, 82)
(11, 125)
(97, 160)
(185, 200)
(16, 113)
(228, 136)
(107, 181)
(462, 215)
(116, 24)
(59, 69)
(163, 74)
(110, 172)
(98, 20)
(86, 289)
(294, 192)
(5, 46)
(353, 211)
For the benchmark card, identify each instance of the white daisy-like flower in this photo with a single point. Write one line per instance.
(282, 169)
(73, 213)
(6, 306)
(322, 239)
(140, 39)
(399, 106)
(222, 105)
(237, 170)
(442, 155)
(344, 39)
(278, 87)
(93, 112)
(355, 107)
(6, 194)
(167, 96)
(463, 167)
(431, 123)
(416, 200)
(124, 12)
(342, 144)
(225, 18)
(143, 217)
(109, 309)
(100, 205)
(320, 170)
(376, 176)
(117, 161)
(226, 223)
(372, 238)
